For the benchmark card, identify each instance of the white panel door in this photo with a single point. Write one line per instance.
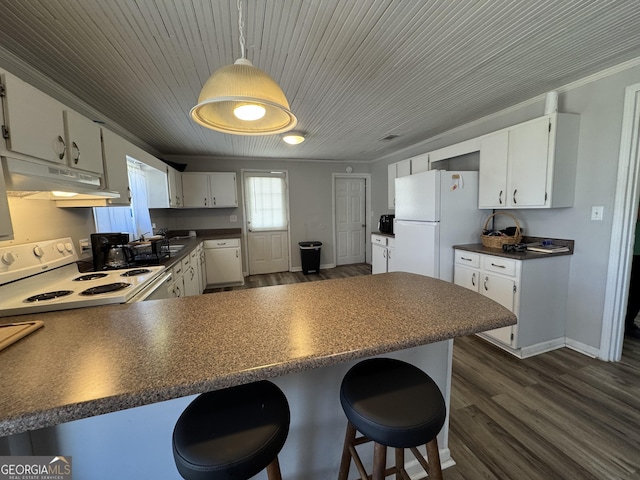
(268, 252)
(350, 220)
(266, 206)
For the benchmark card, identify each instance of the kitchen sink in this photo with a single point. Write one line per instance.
(175, 248)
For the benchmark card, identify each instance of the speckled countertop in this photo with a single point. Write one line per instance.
(97, 360)
(526, 255)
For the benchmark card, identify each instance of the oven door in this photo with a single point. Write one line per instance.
(156, 290)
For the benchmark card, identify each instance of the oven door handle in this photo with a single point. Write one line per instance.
(163, 280)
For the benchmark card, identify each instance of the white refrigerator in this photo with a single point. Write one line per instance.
(434, 211)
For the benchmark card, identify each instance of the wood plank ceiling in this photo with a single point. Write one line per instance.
(354, 71)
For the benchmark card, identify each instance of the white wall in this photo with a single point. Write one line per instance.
(599, 104)
(310, 200)
(35, 220)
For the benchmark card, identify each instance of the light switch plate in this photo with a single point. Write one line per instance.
(597, 213)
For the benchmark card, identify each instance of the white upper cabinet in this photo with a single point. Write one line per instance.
(115, 150)
(84, 149)
(33, 122)
(209, 190)
(41, 127)
(195, 190)
(420, 163)
(6, 229)
(224, 191)
(396, 170)
(176, 197)
(530, 165)
(494, 153)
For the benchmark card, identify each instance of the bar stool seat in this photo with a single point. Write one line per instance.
(393, 404)
(232, 433)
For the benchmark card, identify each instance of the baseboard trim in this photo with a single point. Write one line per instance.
(529, 351)
(583, 348)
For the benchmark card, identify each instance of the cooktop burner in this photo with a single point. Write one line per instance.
(48, 296)
(133, 273)
(89, 276)
(109, 287)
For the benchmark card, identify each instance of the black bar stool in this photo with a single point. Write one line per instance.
(393, 404)
(232, 433)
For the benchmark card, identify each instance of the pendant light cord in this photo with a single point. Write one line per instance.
(241, 28)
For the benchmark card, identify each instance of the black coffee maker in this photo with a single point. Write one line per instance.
(110, 251)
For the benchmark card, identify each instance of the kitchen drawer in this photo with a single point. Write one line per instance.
(224, 243)
(379, 240)
(177, 270)
(467, 259)
(505, 266)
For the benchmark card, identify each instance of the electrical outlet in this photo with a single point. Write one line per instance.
(233, 218)
(85, 246)
(597, 213)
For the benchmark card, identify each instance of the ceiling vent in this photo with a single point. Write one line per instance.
(391, 136)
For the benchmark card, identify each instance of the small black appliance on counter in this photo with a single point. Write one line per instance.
(110, 251)
(386, 224)
(114, 251)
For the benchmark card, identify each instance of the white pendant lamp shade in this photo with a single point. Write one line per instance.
(245, 86)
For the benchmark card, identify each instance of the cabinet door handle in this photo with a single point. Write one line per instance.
(514, 196)
(466, 259)
(498, 266)
(389, 254)
(76, 158)
(214, 200)
(237, 254)
(64, 147)
(500, 197)
(384, 253)
(473, 279)
(486, 279)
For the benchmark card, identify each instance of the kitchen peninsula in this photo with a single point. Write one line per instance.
(139, 363)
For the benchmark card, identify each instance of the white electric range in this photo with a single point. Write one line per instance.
(44, 276)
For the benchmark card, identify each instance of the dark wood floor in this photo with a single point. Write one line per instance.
(558, 415)
(284, 278)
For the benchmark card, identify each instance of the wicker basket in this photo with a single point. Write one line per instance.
(495, 241)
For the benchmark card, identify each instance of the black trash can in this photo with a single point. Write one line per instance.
(310, 256)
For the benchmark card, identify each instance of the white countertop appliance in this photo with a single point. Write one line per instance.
(434, 211)
(44, 276)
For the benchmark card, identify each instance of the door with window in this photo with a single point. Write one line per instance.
(267, 217)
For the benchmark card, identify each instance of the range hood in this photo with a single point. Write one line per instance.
(39, 181)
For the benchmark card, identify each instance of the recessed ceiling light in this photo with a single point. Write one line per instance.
(293, 138)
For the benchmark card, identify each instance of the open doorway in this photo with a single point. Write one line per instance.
(266, 204)
(624, 223)
(351, 211)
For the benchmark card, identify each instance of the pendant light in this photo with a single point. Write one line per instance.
(243, 100)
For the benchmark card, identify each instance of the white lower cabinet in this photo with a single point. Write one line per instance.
(223, 262)
(177, 289)
(382, 254)
(535, 290)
